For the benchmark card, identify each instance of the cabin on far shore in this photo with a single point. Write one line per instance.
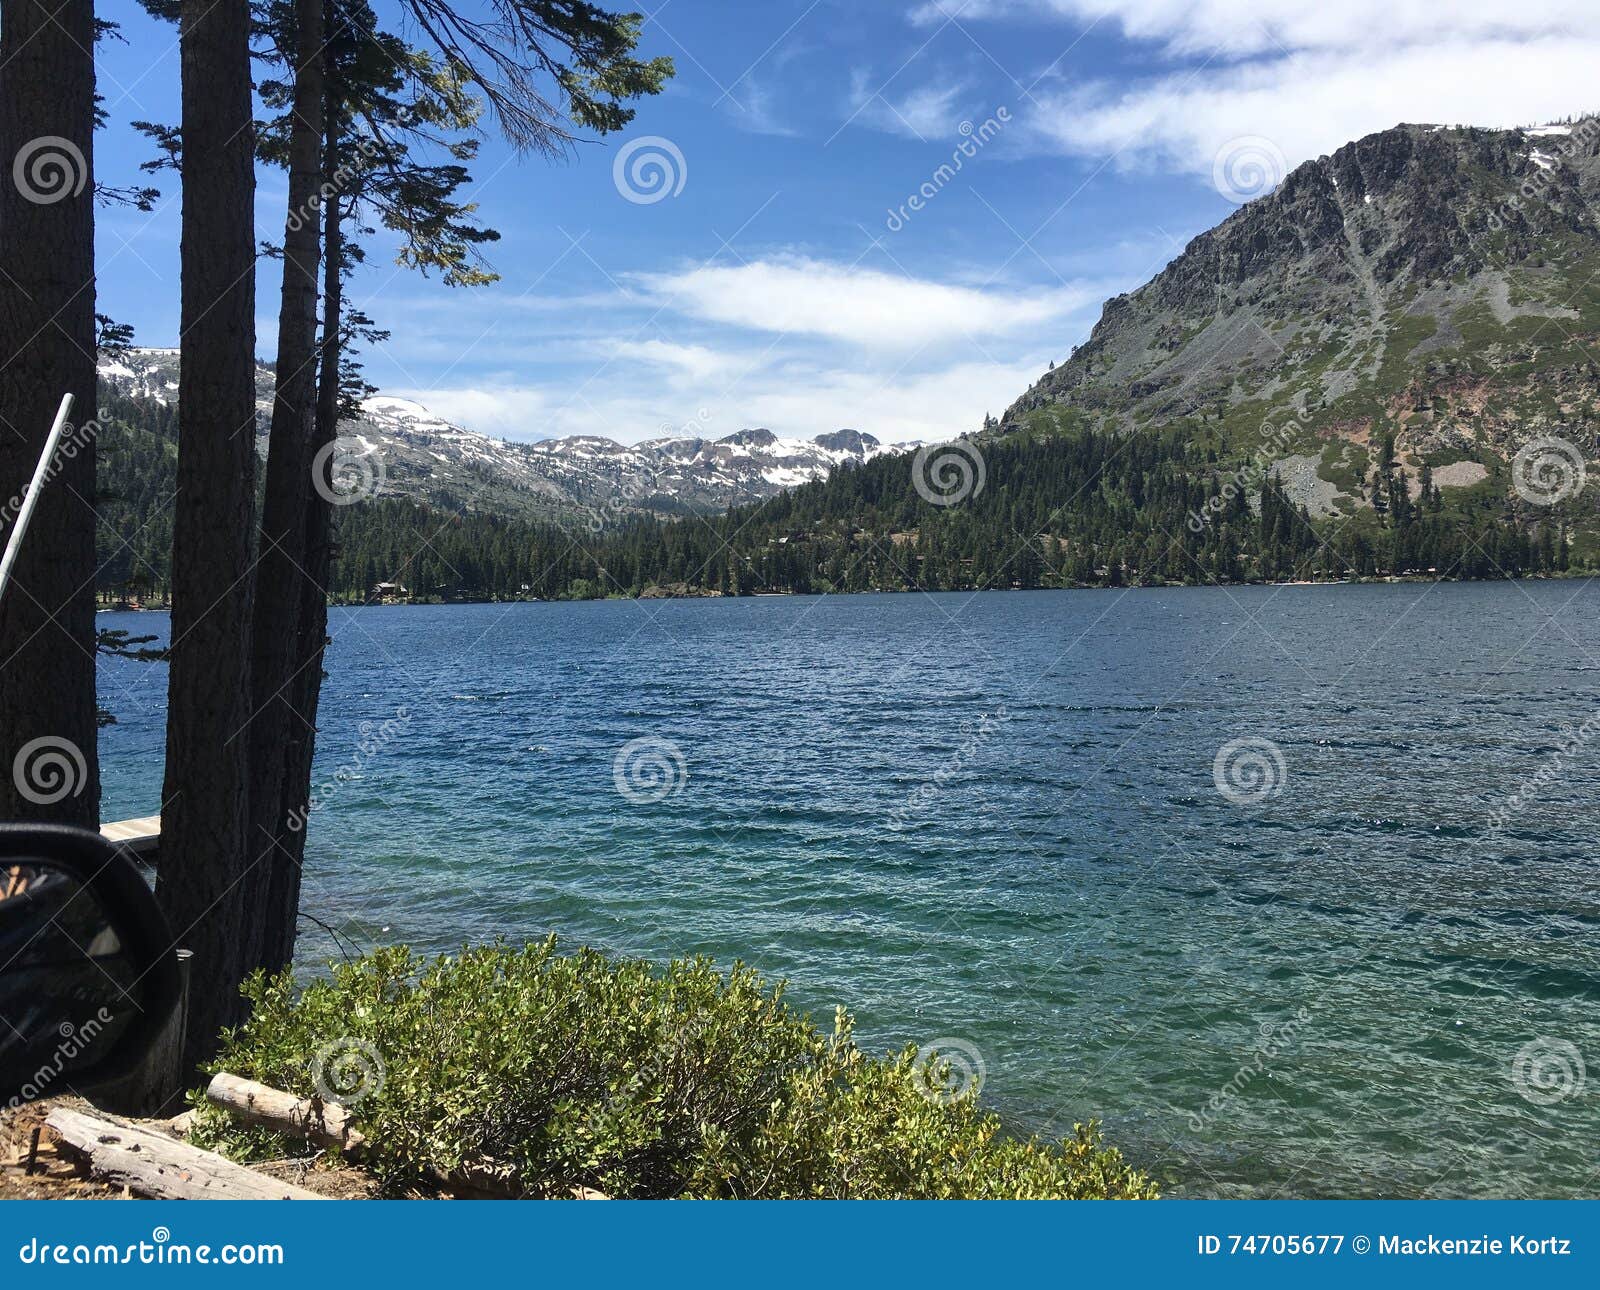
(390, 593)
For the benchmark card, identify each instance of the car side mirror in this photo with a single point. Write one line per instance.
(88, 974)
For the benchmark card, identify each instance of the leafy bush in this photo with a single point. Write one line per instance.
(580, 1070)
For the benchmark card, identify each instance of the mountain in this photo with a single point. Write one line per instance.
(1387, 367)
(672, 475)
(428, 459)
(1433, 284)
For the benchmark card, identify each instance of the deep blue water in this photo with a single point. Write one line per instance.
(995, 819)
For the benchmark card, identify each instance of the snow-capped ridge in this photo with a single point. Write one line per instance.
(430, 459)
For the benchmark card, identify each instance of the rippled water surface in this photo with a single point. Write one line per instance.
(994, 819)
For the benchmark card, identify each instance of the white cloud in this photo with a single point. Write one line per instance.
(856, 305)
(1245, 27)
(895, 406)
(1312, 102)
(750, 107)
(795, 400)
(691, 364)
(799, 345)
(927, 112)
(1307, 77)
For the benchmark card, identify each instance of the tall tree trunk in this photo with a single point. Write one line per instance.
(205, 856)
(280, 572)
(49, 769)
(311, 617)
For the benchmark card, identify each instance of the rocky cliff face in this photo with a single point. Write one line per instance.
(1437, 284)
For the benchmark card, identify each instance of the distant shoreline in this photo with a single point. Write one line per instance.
(1410, 580)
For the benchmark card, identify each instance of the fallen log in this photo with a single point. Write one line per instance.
(159, 1167)
(325, 1123)
(328, 1125)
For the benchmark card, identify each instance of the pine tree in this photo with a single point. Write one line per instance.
(297, 30)
(47, 349)
(205, 854)
(386, 104)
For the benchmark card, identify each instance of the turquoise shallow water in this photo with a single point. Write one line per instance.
(995, 820)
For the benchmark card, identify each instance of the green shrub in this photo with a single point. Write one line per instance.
(580, 1070)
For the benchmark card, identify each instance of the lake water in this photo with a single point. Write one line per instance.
(994, 821)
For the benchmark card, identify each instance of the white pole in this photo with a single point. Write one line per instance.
(31, 498)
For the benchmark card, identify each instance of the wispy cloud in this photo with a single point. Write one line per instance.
(796, 344)
(1311, 103)
(794, 399)
(1239, 28)
(693, 366)
(1309, 77)
(925, 112)
(858, 305)
(752, 106)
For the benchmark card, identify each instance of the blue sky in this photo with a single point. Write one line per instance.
(781, 277)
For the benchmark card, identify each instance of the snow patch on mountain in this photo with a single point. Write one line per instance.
(428, 458)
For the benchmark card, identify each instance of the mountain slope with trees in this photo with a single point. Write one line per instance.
(1437, 287)
(1336, 381)
(1082, 509)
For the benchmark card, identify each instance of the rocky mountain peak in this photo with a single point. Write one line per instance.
(1346, 302)
(762, 438)
(851, 441)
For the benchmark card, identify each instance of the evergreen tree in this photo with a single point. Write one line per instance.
(205, 855)
(47, 349)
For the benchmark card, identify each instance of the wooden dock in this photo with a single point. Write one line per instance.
(141, 837)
